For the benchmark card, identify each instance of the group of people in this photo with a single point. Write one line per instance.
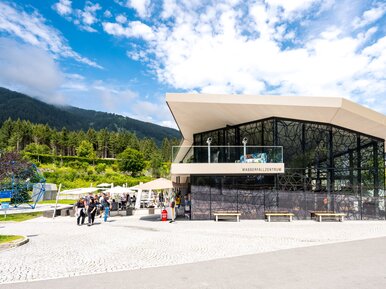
(90, 206)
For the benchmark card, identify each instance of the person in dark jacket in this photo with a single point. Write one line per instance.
(80, 211)
(91, 211)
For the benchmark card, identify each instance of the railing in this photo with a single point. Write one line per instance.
(227, 154)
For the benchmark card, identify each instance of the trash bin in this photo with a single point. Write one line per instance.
(151, 211)
(129, 211)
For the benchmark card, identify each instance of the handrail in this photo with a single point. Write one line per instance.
(228, 154)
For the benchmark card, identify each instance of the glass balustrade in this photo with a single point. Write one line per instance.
(227, 154)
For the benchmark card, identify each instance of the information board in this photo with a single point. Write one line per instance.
(5, 196)
(4, 206)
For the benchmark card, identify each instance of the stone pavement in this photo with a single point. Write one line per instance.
(354, 265)
(58, 248)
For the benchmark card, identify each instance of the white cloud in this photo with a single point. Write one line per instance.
(133, 29)
(370, 16)
(228, 48)
(121, 19)
(87, 17)
(29, 69)
(84, 19)
(107, 14)
(113, 98)
(63, 7)
(142, 7)
(32, 29)
(155, 111)
(116, 98)
(292, 7)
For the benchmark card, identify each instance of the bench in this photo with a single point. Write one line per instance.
(315, 212)
(268, 215)
(339, 215)
(227, 214)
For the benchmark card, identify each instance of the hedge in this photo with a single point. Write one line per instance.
(49, 159)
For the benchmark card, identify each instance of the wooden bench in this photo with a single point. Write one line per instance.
(315, 212)
(227, 214)
(268, 215)
(339, 215)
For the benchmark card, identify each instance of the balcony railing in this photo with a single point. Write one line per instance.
(227, 154)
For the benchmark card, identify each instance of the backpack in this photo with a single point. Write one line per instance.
(105, 203)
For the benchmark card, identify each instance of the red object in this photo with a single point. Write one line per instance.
(164, 215)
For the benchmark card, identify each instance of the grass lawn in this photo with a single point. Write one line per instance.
(63, 202)
(20, 217)
(9, 238)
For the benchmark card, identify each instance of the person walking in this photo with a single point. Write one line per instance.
(101, 209)
(80, 211)
(173, 205)
(106, 206)
(91, 211)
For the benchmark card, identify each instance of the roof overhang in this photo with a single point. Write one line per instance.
(196, 113)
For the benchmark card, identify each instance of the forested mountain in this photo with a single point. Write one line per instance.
(20, 106)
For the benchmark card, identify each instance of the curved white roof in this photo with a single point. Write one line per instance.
(196, 113)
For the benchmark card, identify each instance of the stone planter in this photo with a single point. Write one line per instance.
(64, 212)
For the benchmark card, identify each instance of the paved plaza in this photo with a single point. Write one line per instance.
(58, 248)
(353, 265)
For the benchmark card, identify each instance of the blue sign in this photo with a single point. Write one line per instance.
(5, 206)
(5, 194)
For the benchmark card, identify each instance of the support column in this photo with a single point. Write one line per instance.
(375, 169)
(330, 170)
(351, 177)
(359, 174)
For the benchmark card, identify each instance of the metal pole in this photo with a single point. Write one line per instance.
(57, 199)
(208, 152)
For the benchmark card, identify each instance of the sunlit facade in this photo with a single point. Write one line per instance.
(333, 159)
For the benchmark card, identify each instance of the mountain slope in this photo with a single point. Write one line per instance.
(17, 105)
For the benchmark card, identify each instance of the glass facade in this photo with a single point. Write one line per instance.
(327, 168)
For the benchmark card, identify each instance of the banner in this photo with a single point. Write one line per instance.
(5, 196)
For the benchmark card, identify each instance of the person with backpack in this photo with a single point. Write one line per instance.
(106, 206)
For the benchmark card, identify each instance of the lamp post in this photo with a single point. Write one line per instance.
(245, 140)
(209, 141)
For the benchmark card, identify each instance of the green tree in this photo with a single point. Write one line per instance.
(131, 160)
(148, 148)
(103, 142)
(85, 150)
(37, 148)
(156, 165)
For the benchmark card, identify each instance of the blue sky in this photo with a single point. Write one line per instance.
(122, 56)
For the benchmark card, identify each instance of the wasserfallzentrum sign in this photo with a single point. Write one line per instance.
(226, 168)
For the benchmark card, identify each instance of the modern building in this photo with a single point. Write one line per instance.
(261, 153)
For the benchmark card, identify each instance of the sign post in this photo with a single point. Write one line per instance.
(5, 198)
(57, 199)
(5, 206)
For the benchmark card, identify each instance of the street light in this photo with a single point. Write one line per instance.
(209, 141)
(245, 140)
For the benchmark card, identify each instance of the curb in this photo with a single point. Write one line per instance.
(14, 244)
